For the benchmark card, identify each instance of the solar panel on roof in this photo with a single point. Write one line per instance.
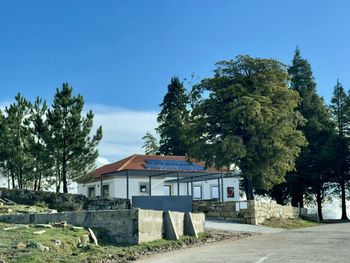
(172, 165)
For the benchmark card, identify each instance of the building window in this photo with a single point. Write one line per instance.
(197, 192)
(167, 189)
(105, 190)
(91, 191)
(214, 192)
(144, 188)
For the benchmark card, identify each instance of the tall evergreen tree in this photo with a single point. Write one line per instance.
(172, 120)
(248, 118)
(340, 105)
(70, 142)
(15, 142)
(42, 163)
(150, 144)
(317, 130)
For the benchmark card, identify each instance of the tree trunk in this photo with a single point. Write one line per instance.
(13, 178)
(39, 183)
(65, 185)
(319, 205)
(343, 201)
(64, 176)
(35, 184)
(248, 187)
(297, 200)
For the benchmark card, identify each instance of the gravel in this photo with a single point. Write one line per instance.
(236, 227)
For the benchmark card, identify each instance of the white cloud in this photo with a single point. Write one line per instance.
(101, 161)
(123, 130)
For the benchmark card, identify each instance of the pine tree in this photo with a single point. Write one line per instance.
(72, 147)
(42, 163)
(150, 144)
(15, 142)
(172, 120)
(340, 105)
(317, 130)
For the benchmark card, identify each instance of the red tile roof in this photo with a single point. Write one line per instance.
(137, 162)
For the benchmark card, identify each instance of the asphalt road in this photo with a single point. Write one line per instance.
(325, 243)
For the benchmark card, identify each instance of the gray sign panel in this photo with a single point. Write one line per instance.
(163, 203)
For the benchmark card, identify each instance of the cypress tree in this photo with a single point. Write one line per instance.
(340, 105)
(317, 130)
(172, 120)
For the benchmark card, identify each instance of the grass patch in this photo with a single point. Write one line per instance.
(288, 223)
(13, 243)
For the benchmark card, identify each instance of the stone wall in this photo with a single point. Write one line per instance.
(98, 203)
(257, 211)
(254, 212)
(129, 226)
(218, 210)
(63, 202)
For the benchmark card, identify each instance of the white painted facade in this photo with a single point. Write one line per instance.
(203, 190)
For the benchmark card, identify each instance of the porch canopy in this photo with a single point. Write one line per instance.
(178, 176)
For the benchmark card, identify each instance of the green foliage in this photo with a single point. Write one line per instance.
(38, 149)
(248, 118)
(312, 165)
(41, 146)
(340, 105)
(172, 120)
(16, 162)
(72, 147)
(150, 144)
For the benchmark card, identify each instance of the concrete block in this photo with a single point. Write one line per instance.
(169, 227)
(194, 223)
(189, 228)
(150, 225)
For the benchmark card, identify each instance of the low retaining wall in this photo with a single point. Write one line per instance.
(218, 210)
(257, 212)
(248, 212)
(63, 202)
(129, 226)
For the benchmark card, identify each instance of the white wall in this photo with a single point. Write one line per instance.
(117, 187)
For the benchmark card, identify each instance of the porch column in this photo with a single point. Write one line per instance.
(222, 187)
(150, 185)
(219, 189)
(101, 185)
(127, 184)
(178, 183)
(192, 187)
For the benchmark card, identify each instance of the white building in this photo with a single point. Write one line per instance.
(156, 175)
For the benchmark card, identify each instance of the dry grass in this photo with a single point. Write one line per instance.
(288, 223)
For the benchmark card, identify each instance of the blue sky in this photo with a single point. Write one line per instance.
(120, 55)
